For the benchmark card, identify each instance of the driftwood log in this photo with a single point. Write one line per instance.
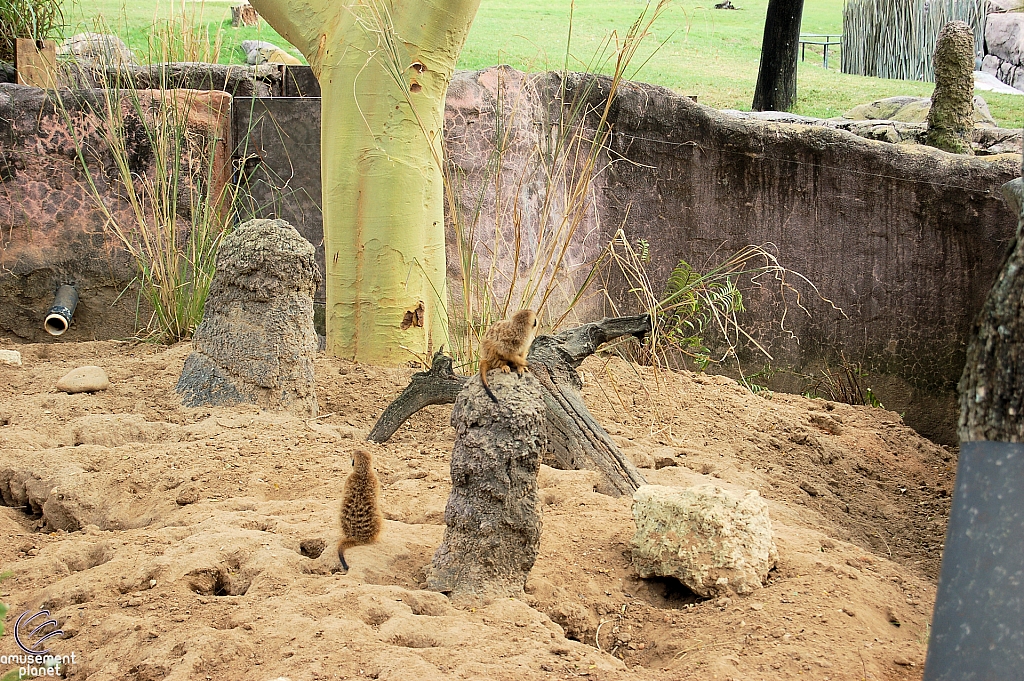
(576, 440)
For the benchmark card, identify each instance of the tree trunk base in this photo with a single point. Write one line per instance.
(492, 517)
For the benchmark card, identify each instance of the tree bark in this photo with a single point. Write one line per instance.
(384, 68)
(776, 76)
(440, 385)
(576, 441)
(992, 386)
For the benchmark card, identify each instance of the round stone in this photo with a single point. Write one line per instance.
(87, 379)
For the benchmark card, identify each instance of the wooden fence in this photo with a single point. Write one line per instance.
(896, 38)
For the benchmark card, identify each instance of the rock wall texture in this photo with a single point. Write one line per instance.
(906, 240)
(52, 230)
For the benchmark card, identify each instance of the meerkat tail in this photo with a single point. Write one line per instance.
(484, 368)
(346, 544)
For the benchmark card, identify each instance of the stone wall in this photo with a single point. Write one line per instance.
(905, 239)
(53, 231)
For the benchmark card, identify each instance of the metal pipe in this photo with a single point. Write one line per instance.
(58, 319)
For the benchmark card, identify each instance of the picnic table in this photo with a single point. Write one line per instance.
(826, 40)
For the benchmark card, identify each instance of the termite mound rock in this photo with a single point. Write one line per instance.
(256, 343)
(493, 514)
(951, 117)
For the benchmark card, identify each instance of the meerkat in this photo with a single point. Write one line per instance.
(505, 344)
(361, 519)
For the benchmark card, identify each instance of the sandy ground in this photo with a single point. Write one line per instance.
(196, 531)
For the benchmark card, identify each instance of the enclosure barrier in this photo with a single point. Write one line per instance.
(896, 38)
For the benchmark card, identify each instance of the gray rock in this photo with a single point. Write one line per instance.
(1013, 192)
(1000, 6)
(493, 514)
(87, 379)
(256, 342)
(261, 52)
(252, 45)
(711, 540)
(96, 49)
(984, 80)
(910, 110)
(996, 6)
(990, 64)
(1004, 37)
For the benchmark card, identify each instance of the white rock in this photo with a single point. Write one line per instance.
(986, 81)
(10, 357)
(96, 49)
(85, 379)
(990, 65)
(709, 539)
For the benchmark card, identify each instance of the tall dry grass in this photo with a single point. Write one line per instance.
(509, 260)
(36, 19)
(165, 156)
(696, 314)
(182, 34)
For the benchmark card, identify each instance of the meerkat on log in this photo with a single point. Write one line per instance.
(505, 345)
(361, 519)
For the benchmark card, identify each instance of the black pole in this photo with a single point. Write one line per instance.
(978, 625)
(776, 77)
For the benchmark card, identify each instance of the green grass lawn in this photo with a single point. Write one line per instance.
(697, 50)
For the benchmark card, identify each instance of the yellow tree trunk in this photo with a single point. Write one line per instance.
(384, 68)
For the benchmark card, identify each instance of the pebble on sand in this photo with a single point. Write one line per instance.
(10, 357)
(85, 379)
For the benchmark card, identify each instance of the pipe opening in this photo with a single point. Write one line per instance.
(58, 319)
(55, 324)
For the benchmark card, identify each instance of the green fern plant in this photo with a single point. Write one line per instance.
(692, 304)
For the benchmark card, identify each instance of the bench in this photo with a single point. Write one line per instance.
(826, 40)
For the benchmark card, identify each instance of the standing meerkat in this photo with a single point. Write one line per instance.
(505, 344)
(361, 519)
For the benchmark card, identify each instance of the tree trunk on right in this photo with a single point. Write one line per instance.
(992, 386)
(776, 77)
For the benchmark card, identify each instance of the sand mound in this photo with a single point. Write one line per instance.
(175, 543)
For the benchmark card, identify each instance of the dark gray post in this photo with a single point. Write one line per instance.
(978, 625)
(776, 75)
